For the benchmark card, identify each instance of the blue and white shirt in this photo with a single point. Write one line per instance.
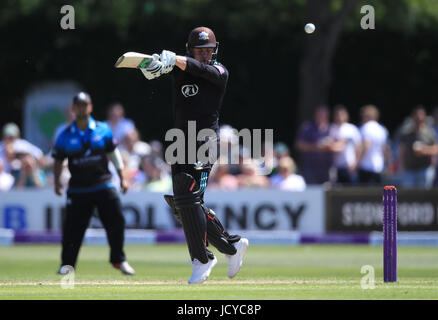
(86, 152)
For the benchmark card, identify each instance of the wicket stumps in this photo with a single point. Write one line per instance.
(389, 234)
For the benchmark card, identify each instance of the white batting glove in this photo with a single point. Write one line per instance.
(155, 68)
(168, 58)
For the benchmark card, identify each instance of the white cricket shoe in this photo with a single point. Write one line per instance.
(65, 269)
(235, 260)
(125, 268)
(201, 271)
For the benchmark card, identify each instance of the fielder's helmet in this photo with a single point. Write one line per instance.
(202, 37)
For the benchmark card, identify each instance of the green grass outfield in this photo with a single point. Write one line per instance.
(269, 272)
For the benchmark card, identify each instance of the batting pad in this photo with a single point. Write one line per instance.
(171, 202)
(188, 205)
(217, 235)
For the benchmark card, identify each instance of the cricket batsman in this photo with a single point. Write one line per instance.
(199, 83)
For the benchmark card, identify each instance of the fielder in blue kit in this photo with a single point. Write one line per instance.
(88, 145)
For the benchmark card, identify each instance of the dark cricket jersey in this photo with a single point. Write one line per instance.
(198, 93)
(86, 152)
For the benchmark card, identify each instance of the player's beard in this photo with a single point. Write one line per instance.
(82, 117)
(205, 61)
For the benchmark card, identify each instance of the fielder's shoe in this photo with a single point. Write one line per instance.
(65, 269)
(235, 261)
(201, 271)
(124, 267)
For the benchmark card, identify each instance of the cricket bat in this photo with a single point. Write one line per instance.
(133, 60)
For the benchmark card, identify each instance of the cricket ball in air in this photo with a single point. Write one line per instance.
(309, 28)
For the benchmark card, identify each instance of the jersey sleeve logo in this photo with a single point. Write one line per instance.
(189, 90)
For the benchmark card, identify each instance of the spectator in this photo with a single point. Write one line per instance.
(268, 160)
(374, 148)
(134, 148)
(157, 148)
(417, 147)
(281, 150)
(286, 179)
(346, 147)
(12, 147)
(277, 151)
(406, 124)
(120, 125)
(230, 151)
(132, 151)
(314, 144)
(220, 178)
(251, 177)
(30, 175)
(7, 155)
(154, 175)
(6, 179)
